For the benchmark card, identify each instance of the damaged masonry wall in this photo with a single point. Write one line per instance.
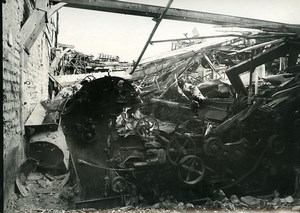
(25, 83)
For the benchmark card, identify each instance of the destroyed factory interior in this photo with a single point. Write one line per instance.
(212, 123)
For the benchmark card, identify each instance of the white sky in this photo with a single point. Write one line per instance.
(94, 32)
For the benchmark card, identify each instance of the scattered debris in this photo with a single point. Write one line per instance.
(250, 201)
(22, 174)
(42, 194)
(197, 130)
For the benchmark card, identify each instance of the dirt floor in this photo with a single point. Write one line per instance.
(54, 193)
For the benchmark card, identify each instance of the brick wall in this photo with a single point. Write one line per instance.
(25, 83)
(35, 76)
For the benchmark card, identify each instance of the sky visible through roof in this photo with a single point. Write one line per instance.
(94, 32)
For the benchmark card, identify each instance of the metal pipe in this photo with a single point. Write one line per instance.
(259, 45)
(151, 35)
(252, 68)
(221, 36)
(100, 199)
(103, 167)
(199, 37)
(211, 65)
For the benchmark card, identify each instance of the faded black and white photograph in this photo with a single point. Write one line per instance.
(151, 106)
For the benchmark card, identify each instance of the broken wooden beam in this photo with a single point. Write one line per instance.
(35, 24)
(259, 45)
(234, 72)
(171, 104)
(178, 14)
(199, 37)
(236, 119)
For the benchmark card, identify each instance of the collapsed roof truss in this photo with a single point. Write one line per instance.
(274, 29)
(179, 14)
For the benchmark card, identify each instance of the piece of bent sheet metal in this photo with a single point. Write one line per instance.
(50, 149)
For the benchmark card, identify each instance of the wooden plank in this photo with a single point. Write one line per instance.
(39, 26)
(259, 45)
(35, 25)
(178, 14)
(234, 72)
(30, 24)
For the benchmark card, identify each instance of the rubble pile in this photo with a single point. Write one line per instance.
(74, 62)
(60, 201)
(45, 192)
(233, 203)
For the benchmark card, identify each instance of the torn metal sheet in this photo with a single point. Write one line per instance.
(177, 55)
(49, 149)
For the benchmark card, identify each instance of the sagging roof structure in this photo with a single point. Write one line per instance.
(123, 7)
(283, 38)
(273, 40)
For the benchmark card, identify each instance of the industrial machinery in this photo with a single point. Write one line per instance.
(120, 146)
